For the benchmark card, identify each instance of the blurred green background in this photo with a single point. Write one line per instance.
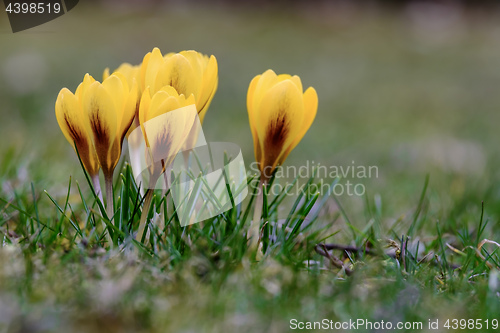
(411, 89)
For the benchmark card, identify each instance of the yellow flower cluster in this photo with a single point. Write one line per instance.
(98, 116)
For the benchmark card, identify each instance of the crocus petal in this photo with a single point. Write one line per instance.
(310, 109)
(251, 94)
(162, 103)
(83, 87)
(129, 72)
(105, 73)
(70, 119)
(143, 111)
(296, 80)
(167, 136)
(208, 88)
(158, 98)
(101, 111)
(130, 110)
(197, 61)
(281, 112)
(166, 100)
(117, 88)
(150, 67)
(267, 80)
(252, 119)
(177, 72)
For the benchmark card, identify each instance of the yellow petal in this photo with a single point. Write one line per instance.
(83, 87)
(143, 111)
(105, 74)
(70, 119)
(161, 104)
(310, 109)
(283, 77)
(159, 98)
(267, 80)
(295, 79)
(117, 88)
(177, 72)
(142, 71)
(197, 60)
(280, 118)
(251, 93)
(168, 132)
(131, 110)
(149, 68)
(170, 91)
(130, 72)
(68, 116)
(188, 101)
(252, 119)
(100, 109)
(208, 87)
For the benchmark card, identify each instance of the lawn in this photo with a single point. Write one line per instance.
(410, 92)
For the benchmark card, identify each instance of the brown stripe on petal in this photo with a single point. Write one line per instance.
(98, 127)
(161, 152)
(75, 134)
(277, 131)
(163, 147)
(82, 146)
(101, 138)
(175, 82)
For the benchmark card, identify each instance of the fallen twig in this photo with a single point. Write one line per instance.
(333, 259)
(323, 249)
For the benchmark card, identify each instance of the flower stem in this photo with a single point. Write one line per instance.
(144, 215)
(254, 230)
(97, 186)
(108, 183)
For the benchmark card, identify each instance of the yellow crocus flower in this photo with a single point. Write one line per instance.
(95, 119)
(280, 114)
(166, 122)
(110, 108)
(188, 72)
